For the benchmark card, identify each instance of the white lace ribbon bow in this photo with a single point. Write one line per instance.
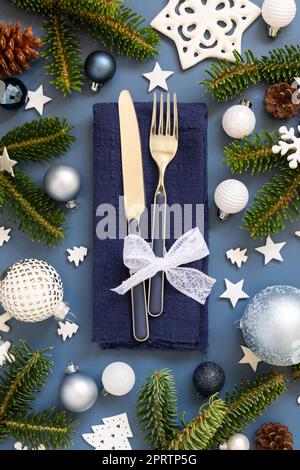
(140, 259)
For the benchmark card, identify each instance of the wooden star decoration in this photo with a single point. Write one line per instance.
(158, 78)
(37, 100)
(4, 235)
(202, 30)
(234, 292)
(6, 164)
(250, 358)
(271, 250)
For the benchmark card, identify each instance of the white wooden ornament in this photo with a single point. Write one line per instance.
(67, 329)
(112, 435)
(237, 256)
(271, 250)
(6, 164)
(234, 292)
(250, 358)
(77, 254)
(297, 234)
(203, 29)
(4, 235)
(288, 143)
(4, 352)
(37, 100)
(20, 446)
(158, 78)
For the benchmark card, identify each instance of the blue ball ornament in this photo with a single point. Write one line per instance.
(208, 378)
(99, 66)
(271, 325)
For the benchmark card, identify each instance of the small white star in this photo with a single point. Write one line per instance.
(37, 100)
(250, 358)
(6, 164)
(4, 235)
(271, 250)
(234, 292)
(158, 78)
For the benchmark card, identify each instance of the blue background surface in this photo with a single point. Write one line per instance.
(224, 336)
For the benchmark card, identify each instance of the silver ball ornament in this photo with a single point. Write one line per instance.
(271, 325)
(236, 442)
(78, 392)
(62, 183)
(118, 378)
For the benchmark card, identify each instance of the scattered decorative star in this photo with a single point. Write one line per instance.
(158, 78)
(77, 254)
(4, 318)
(37, 100)
(201, 30)
(271, 250)
(6, 164)
(250, 358)
(297, 234)
(237, 256)
(67, 329)
(234, 292)
(4, 235)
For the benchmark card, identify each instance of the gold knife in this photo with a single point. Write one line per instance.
(134, 200)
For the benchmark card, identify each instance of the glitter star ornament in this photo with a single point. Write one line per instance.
(158, 78)
(206, 29)
(234, 292)
(37, 100)
(250, 358)
(6, 164)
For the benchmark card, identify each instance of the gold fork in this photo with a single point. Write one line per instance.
(163, 148)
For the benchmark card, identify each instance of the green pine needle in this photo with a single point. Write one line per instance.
(227, 80)
(277, 202)
(38, 140)
(23, 378)
(200, 431)
(296, 371)
(46, 7)
(254, 154)
(62, 55)
(157, 409)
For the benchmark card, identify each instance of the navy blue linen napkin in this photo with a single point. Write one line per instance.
(184, 324)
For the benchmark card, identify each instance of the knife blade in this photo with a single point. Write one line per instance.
(134, 200)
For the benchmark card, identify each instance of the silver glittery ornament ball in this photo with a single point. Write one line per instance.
(78, 392)
(31, 291)
(271, 325)
(62, 183)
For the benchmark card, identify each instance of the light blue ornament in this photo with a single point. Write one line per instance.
(271, 325)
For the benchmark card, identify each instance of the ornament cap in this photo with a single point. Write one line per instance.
(223, 215)
(95, 87)
(104, 392)
(71, 368)
(246, 103)
(273, 32)
(61, 310)
(72, 205)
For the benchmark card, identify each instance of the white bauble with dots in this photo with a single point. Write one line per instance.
(239, 121)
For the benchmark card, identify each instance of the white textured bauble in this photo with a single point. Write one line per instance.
(239, 120)
(78, 392)
(271, 325)
(118, 379)
(62, 183)
(31, 290)
(238, 442)
(231, 196)
(278, 14)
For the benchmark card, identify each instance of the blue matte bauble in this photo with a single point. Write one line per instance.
(100, 66)
(15, 94)
(271, 325)
(208, 378)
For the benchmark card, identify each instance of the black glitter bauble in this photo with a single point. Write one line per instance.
(208, 378)
(15, 94)
(99, 66)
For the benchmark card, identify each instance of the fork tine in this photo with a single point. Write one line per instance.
(168, 124)
(175, 113)
(153, 122)
(161, 115)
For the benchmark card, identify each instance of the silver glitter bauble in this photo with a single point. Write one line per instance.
(31, 290)
(62, 183)
(271, 325)
(78, 392)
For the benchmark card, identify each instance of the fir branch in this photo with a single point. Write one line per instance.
(62, 55)
(198, 434)
(25, 202)
(38, 140)
(254, 154)
(157, 409)
(46, 7)
(26, 375)
(102, 7)
(227, 80)
(247, 402)
(296, 371)
(124, 31)
(43, 7)
(51, 428)
(275, 203)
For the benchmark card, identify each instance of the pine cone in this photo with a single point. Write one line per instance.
(274, 436)
(17, 48)
(279, 101)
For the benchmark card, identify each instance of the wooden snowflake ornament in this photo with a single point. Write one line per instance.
(287, 144)
(203, 29)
